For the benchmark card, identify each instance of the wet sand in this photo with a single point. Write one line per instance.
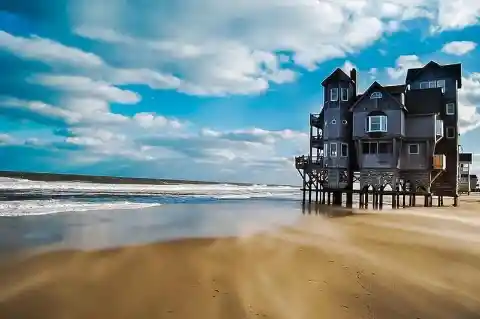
(409, 263)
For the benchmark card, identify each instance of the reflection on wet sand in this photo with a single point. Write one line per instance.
(415, 263)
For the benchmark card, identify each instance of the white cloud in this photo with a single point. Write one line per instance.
(457, 14)
(402, 64)
(468, 95)
(6, 139)
(242, 58)
(49, 51)
(83, 86)
(469, 103)
(459, 47)
(348, 66)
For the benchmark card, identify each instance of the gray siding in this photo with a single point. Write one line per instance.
(420, 161)
(377, 161)
(336, 123)
(395, 121)
(420, 127)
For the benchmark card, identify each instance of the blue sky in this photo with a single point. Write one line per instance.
(210, 90)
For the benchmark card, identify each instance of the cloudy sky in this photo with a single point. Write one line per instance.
(205, 89)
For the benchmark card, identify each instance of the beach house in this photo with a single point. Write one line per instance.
(400, 137)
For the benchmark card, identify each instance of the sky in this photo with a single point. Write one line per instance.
(206, 89)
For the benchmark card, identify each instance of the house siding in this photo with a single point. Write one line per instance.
(420, 161)
(420, 127)
(447, 182)
(394, 124)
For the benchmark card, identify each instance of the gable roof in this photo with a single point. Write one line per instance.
(453, 70)
(376, 86)
(337, 75)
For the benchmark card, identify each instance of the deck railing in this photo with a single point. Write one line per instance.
(305, 160)
(315, 120)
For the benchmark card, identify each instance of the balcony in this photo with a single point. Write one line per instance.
(316, 120)
(317, 141)
(303, 162)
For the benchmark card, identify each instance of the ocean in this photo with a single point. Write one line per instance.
(88, 215)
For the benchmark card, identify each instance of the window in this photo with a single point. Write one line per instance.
(344, 94)
(376, 95)
(439, 127)
(433, 84)
(333, 149)
(377, 123)
(344, 122)
(413, 149)
(441, 84)
(385, 148)
(344, 150)
(450, 109)
(377, 148)
(450, 132)
(334, 94)
(334, 121)
(370, 148)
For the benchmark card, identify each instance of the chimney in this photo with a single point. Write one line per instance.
(353, 76)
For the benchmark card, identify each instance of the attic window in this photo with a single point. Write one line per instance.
(376, 95)
(334, 94)
(377, 123)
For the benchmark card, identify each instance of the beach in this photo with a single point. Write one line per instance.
(406, 263)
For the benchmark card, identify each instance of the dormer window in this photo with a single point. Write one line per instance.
(376, 95)
(377, 123)
(334, 94)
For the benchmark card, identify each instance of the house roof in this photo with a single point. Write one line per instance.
(424, 101)
(337, 75)
(376, 86)
(454, 70)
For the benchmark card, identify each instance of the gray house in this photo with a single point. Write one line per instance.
(398, 136)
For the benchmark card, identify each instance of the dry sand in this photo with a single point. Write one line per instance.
(409, 263)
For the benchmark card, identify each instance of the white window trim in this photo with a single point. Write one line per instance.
(344, 122)
(376, 95)
(332, 95)
(410, 150)
(334, 121)
(332, 148)
(341, 148)
(446, 109)
(424, 85)
(382, 118)
(344, 90)
(449, 128)
(441, 84)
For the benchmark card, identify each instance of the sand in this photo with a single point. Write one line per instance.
(409, 263)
